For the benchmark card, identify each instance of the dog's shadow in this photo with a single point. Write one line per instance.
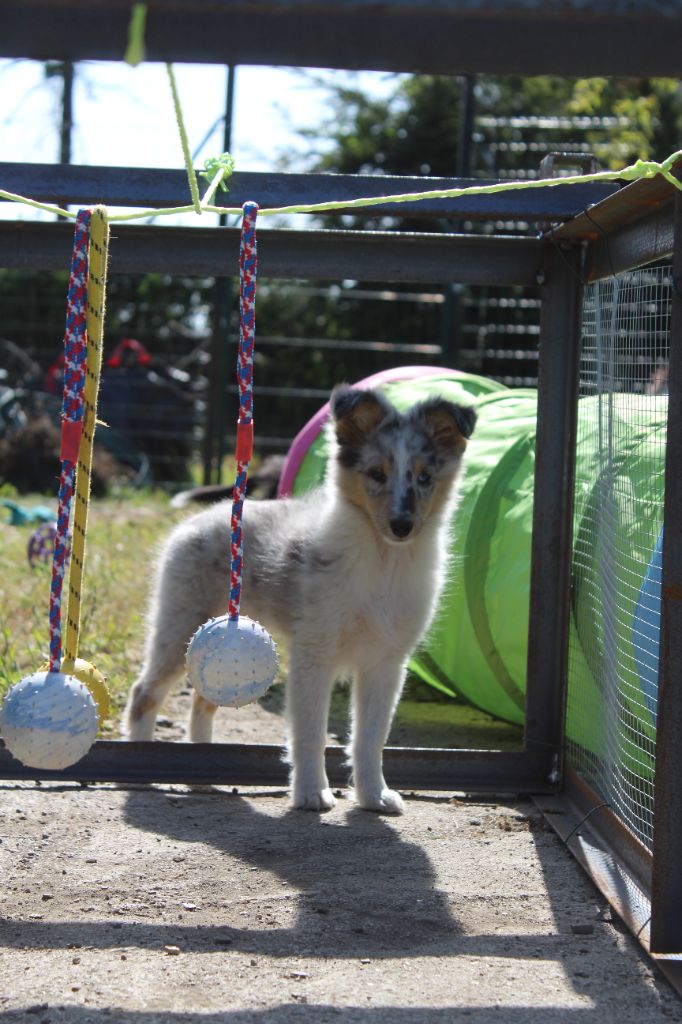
(342, 884)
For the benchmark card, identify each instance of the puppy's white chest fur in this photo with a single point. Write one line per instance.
(377, 595)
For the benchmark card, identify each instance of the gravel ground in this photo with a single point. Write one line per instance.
(164, 904)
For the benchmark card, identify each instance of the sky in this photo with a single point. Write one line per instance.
(124, 116)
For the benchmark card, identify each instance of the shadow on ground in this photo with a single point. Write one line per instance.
(358, 888)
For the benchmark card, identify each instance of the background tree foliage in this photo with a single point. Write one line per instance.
(649, 111)
(416, 130)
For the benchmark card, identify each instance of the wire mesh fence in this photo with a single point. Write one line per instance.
(618, 532)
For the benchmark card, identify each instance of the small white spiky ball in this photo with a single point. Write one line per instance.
(231, 661)
(48, 720)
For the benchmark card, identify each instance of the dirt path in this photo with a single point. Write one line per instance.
(168, 905)
(165, 905)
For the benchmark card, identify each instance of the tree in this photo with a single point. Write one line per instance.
(647, 112)
(415, 130)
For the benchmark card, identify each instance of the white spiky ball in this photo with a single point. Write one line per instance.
(48, 720)
(231, 661)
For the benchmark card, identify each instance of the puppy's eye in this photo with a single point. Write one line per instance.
(424, 478)
(376, 474)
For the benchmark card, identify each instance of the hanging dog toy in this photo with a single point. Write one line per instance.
(50, 718)
(233, 660)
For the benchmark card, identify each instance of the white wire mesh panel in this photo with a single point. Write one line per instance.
(618, 530)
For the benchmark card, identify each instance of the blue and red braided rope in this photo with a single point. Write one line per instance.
(75, 352)
(248, 265)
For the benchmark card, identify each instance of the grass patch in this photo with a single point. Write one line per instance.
(123, 534)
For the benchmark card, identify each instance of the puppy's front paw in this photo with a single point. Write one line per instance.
(313, 800)
(387, 801)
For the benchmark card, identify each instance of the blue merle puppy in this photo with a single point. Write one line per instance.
(348, 577)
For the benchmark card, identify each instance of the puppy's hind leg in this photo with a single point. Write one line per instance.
(375, 694)
(186, 593)
(164, 663)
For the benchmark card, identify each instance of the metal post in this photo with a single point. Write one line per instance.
(66, 71)
(66, 126)
(666, 890)
(452, 319)
(558, 372)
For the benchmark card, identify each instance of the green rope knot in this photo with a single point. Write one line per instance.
(640, 169)
(650, 168)
(214, 164)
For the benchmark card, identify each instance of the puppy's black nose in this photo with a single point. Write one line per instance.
(401, 527)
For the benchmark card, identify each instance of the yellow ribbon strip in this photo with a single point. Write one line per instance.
(97, 275)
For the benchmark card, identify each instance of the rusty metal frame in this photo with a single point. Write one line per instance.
(626, 230)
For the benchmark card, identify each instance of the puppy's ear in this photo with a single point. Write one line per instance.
(356, 414)
(449, 424)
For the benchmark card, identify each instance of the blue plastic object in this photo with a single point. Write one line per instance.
(20, 515)
(646, 628)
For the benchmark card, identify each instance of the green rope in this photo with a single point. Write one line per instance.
(191, 176)
(134, 54)
(14, 198)
(634, 172)
(213, 185)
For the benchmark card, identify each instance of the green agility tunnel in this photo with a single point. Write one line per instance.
(616, 578)
(477, 647)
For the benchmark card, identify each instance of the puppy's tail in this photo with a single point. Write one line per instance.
(201, 495)
(261, 484)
